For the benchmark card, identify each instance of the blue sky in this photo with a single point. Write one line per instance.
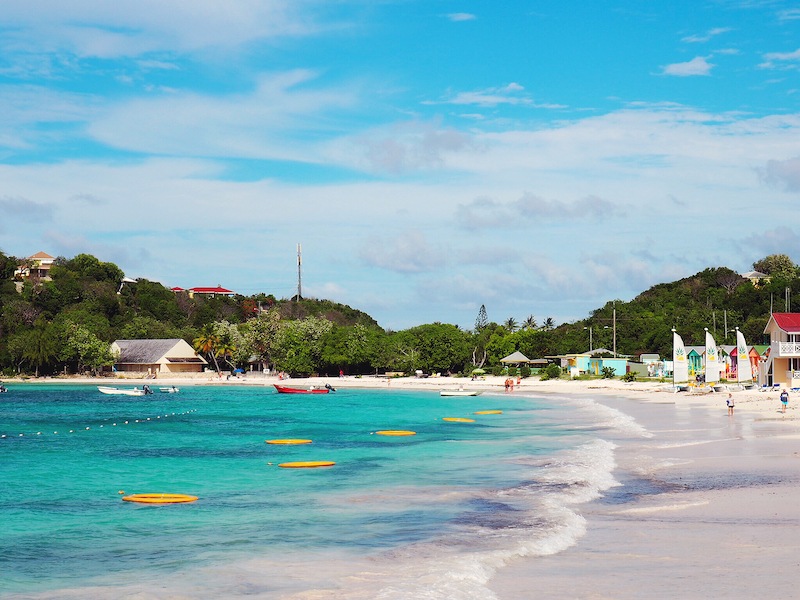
(536, 157)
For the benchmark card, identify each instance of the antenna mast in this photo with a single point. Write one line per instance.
(299, 273)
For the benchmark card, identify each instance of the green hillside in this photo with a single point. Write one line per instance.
(64, 324)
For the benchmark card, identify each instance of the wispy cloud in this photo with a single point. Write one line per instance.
(790, 14)
(461, 17)
(708, 35)
(512, 94)
(783, 57)
(95, 28)
(483, 212)
(699, 65)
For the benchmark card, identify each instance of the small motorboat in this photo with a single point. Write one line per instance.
(169, 390)
(3, 388)
(125, 391)
(460, 392)
(314, 389)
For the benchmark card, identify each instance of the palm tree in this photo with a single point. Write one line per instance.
(548, 323)
(529, 323)
(510, 324)
(207, 343)
(225, 349)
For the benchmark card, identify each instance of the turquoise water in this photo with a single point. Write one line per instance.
(463, 487)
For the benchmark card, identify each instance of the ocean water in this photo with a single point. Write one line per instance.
(427, 516)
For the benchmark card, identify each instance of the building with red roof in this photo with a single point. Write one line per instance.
(206, 291)
(37, 265)
(783, 363)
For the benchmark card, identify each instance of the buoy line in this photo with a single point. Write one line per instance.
(128, 422)
(458, 419)
(307, 464)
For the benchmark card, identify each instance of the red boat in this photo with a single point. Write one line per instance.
(313, 390)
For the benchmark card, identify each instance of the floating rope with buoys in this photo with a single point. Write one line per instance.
(458, 419)
(289, 441)
(488, 412)
(307, 464)
(159, 498)
(121, 423)
(396, 432)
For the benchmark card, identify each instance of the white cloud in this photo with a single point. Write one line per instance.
(461, 17)
(789, 14)
(779, 240)
(136, 27)
(708, 35)
(405, 147)
(261, 124)
(512, 94)
(770, 57)
(409, 252)
(697, 66)
(484, 213)
(782, 174)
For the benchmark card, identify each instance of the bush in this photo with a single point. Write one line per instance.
(607, 372)
(498, 370)
(512, 371)
(629, 376)
(525, 371)
(551, 372)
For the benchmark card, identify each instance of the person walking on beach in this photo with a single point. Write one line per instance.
(784, 400)
(730, 404)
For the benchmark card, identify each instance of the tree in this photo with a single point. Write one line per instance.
(40, 345)
(548, 324)
(777, 265)
(298, 345)
(207, 343)
(529, 323)
(85, 349)
(259, 335)
(482, 320)
(510, 324)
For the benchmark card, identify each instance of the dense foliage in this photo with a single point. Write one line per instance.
(66, 324)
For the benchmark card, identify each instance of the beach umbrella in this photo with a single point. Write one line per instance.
(478, 371)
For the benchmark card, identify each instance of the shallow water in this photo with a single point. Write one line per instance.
(431, 515)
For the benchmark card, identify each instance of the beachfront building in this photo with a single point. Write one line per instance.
(620, 365)
(695, 358)
(783, 362)
(36, 266)
(157, 357)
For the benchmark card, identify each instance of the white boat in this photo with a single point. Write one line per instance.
(169, 390)
(125, 391)
(460, 392)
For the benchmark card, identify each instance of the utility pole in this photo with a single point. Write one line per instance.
(726, 323)
(299, 273)
(615, 330)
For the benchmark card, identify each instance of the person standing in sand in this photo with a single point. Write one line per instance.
(729, 401)
(784, 400)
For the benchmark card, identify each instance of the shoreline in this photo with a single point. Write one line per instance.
(706, 507)
(764, 405)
